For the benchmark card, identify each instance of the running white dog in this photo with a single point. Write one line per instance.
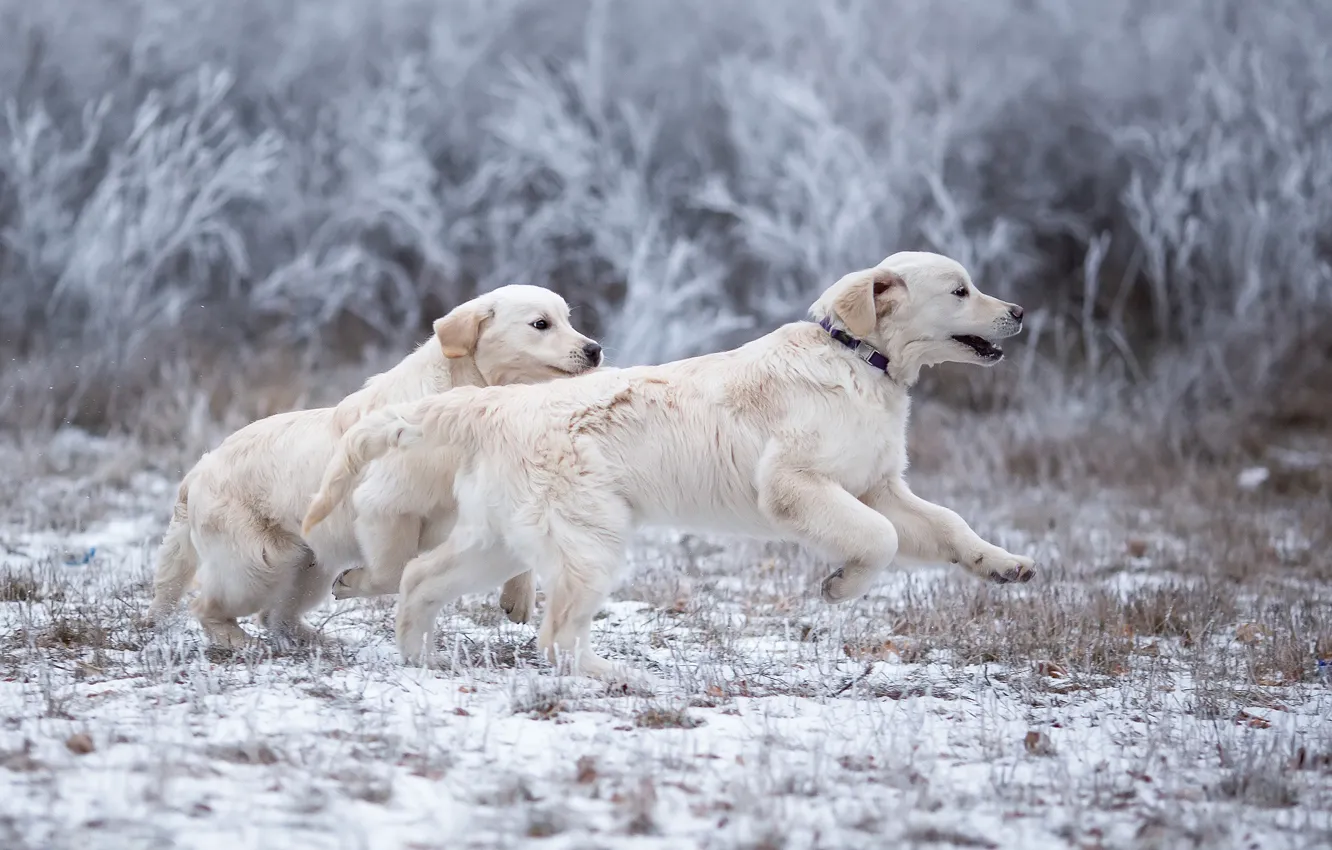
(237, 516)
(799, 435)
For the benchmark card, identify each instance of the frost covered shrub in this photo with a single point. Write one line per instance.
(1150, 179)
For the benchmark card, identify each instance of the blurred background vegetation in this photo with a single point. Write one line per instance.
(201, 197)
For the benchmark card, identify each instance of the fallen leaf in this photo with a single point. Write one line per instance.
(1038, 743)
(1253, 721)
(587, 770)
(1053, 669)
(901, 650)
(1252, 633)
(80, 744)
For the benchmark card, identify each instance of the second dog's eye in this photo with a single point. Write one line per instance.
(960, 292)
(541, 324)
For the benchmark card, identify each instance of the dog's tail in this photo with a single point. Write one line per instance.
(370, 438)
(177, 559)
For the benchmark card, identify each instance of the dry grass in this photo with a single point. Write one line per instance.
(1160, 683)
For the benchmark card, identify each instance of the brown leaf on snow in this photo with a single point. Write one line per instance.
(1038, 743)
(1053, 669)
(587, 770)
(1253, 721)
(902, 650)
(80, 743)
(1252, 633)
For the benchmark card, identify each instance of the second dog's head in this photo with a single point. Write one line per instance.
(517, 335)
(920, 309)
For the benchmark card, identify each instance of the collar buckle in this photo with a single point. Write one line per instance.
(859, 348)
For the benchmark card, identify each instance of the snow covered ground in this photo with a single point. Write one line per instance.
(1120, 701)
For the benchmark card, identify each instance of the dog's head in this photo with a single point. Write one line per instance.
(517, 335)
(920, 309)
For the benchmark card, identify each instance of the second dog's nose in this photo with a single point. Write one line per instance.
(593, 352)
(1016, 312)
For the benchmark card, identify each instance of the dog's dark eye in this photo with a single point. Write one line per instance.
(541, 324)
(960, 292)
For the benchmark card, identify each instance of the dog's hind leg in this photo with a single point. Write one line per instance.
(819, 511)
(218, 623)
(244, 571)
(302, 589)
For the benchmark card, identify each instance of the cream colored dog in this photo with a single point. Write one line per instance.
(237, 516)
(799, 435)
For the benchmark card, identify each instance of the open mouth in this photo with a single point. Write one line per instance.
(984, 349)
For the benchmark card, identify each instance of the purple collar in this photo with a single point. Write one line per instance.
(863, 350)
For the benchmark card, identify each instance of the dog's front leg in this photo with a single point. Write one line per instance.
(819, 511)
(934, 534)
(387, 543)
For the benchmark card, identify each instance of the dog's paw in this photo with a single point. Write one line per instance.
(421, 656)
(624, 681)
(840, 587)
(1012, 569)
(290, 636)
(518, 599)
(619, 678)
(345, 585)
(150, 620)
(229, 637)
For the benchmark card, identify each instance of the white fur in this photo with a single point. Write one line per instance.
(790, 437)
(236, 522)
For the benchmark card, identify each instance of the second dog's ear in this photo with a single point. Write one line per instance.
(459, 330)
(864, 296)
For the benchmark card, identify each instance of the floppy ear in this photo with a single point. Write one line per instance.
(864, 296)
(458, 331)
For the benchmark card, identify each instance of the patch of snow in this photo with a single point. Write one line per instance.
(766, 733)
(1253, 477)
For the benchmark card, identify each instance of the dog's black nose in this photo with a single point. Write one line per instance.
(593, 352)
(1016, 312)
